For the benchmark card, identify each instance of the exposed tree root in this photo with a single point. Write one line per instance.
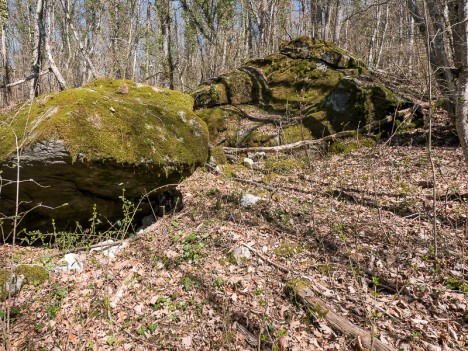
(346, 133)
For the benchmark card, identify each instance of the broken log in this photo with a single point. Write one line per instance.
(302, 293)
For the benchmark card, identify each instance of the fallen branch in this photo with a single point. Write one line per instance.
(24, 80)
(299, 290)
(279, 120)
(249, 337)
(303, 143)
(302, 293)
(274, 264)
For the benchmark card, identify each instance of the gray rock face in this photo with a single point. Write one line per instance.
(55, 188)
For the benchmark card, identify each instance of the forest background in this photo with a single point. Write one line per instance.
(179, 44)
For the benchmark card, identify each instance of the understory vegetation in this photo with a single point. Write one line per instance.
(353, 224)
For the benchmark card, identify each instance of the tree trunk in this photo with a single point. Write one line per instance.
(53, 65)
(39, 34)
(437, 52)
(461, 60)
(452, 81)
(6, 67)
(166, 37)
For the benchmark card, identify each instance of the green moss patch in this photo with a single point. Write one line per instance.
(327, 87)
(281, 166)
(349, 145)
(146, 125)
(33, 274)
(217, 155)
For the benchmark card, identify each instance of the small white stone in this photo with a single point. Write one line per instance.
(74, 263)
(250, 200)
(241, 254)
(248, 162)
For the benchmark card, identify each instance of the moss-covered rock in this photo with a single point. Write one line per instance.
(311, 48)
(28, 274)
(217, 155)
(88, 144)
(317, 88)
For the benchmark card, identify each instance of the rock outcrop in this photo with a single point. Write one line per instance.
(82, 147)
(309, 89)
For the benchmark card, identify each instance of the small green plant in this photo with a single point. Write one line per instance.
(15, 311)
(160, 302)
(111, 341)
(218, 282)
(375, 284)
(52, 310)
(455, 284)
(258, 291)
(60, 294)
(189, 283)
(182, 306)
(282, 333)
(339, 228)
(193, 249)
(173, 317)
(89, 345)
(141, 330)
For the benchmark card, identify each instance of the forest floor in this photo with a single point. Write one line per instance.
(355, 227)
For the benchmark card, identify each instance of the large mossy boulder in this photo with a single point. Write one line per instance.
(309, 89)
(83, 147)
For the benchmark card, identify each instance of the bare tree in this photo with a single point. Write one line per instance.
(6, 66)
(448, 62)
(39, 34)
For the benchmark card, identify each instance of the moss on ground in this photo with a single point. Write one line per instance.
(288, 249)
(142, 125)
(33, 274)
(217, 155)
(348, 145)
(281, 166)
(294, 133)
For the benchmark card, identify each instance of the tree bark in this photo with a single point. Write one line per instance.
(166, 37)
(39, 34)
(6, 65)
(452, 81)
(53, 65)
(461, 58)
(80, 43)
